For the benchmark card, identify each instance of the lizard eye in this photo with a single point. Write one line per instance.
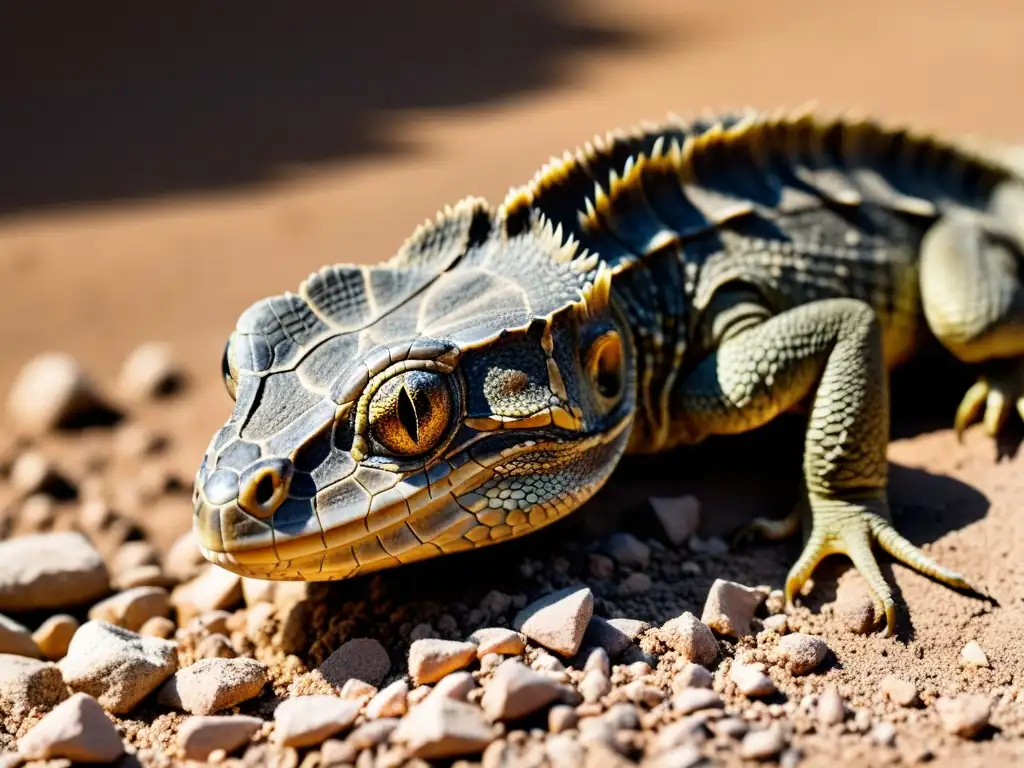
(410, 413)
(606, 366)
(227, 369)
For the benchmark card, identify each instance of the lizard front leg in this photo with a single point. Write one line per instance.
(829, 351)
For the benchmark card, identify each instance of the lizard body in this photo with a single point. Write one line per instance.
(654, 287)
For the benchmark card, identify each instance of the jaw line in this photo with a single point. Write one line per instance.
(239, 561)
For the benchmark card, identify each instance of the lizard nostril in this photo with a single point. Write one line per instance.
(264, 487)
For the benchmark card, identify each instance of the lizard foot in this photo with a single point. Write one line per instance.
(850, 528)
(993, 398)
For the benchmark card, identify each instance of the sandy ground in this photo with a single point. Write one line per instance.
(160, 175)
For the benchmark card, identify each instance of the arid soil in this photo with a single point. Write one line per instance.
(148, 200)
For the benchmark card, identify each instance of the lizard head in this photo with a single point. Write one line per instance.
(476, 387)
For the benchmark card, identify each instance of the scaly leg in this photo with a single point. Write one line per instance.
(973, 300)
(830, 350)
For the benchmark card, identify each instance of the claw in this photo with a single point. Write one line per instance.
(997, 410)
(850, 529)
(970, 407)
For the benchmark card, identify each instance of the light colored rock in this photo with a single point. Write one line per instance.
(215, 647)
(564, 751)
(800, 653)
(116, 666)
(763, 744)
(597, 659)
(370, 734)
(357, 691)
(562, 718)
(628, 551)
(692, 675)
(143, 576)
(16, 639)
(690, 638)
(515, 690)
(27, 686)
(751, 681)
(32, 474)
(691, 700)
(201, 735)
(133, 554)
(211, 685)
(442, 727)
(603, 634)
(855, 606)
(639, 692)
(158, 626)
(900, 692)
(730, 607)
(213, 589)
(559, 620)
(48, 391)
(966, 715)
(683, 756)
(211, 622)
(305, 721)
(679, 517)
(778, 623)
(77, 730)
(149, 371)
(973, 655)
(499, 640)
(431, 659)
(831, 709)
(362, 658)
(50, 570)
(184, 559)
(457, 685)
(390, 701)
(133, 607)
(54, 635)
(594, 686)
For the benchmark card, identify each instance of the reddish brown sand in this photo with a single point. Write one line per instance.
(165, 218)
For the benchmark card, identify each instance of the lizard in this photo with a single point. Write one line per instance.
(655, 286)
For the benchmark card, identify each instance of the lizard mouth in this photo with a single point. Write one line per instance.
(502, 488)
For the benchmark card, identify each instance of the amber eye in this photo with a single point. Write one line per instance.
(410, 412)
(227, 368)
(605, 364)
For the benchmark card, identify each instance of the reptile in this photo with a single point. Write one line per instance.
(654, 287)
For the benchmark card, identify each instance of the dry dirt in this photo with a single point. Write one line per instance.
(160, 175)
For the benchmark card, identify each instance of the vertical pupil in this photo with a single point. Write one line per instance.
(407, 414)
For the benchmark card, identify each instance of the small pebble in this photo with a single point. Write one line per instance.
(691, 700)
(210, 685)
(77, 730)
(690, 638)
(598, 660)
(883, 734)
(431, 659)
(636, 583)
(751, 681)
(390, 701)
(305, 721)
(692, 676)
(16, 639)
(601, 567)
(515, 690)
(729, 607)
(679, 516)
(357, 691)
(158, 626)
(215, 647)
(457, 685)
(133, 607)
(777, 623)
(763, 744)
(28, 685)
(148, 372)
(831, 709)
(562, 718)
(900, 692)
(201, 735)
(499, 640)
(558, 620)
(594, 686)
(973, 655)
(628, 551)
(49, 391)
(640, 692)
(966, 715)
(215, 588)
(443, 728)
(54, 635)
(184, 560)
(800, 653)
(116, 666)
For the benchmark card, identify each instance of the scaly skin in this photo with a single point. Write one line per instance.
(654, 288)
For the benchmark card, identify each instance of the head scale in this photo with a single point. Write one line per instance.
(477, 386)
